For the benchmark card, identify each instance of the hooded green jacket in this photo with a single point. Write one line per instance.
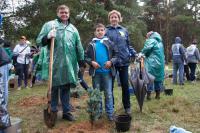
(155, 58)
(68, 51)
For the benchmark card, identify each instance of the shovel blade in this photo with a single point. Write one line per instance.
(49, 118)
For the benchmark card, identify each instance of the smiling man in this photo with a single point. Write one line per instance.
(68, 52)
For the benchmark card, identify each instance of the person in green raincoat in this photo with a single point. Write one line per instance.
(68, 54)
(42, 64)
(154, 62)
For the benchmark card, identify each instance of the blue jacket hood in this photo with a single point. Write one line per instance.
(177, 40)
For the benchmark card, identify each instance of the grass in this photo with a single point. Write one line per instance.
(181, 109)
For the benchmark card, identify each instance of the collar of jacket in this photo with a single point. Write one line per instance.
(101, 39)
(112, 27)
(59, 20)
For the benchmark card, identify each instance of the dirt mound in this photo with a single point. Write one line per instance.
(84, 127)
(32, 101)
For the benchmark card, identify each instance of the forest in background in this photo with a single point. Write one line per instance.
(170, 18)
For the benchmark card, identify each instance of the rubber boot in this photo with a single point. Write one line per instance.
(148, 95)
(157, 95)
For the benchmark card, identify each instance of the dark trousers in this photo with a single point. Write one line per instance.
(123, 75)
(187, 72)
(192, 67)
(22, 71)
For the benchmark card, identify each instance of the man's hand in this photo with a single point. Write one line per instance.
(52, 34)
(108, 65)
(95, 64)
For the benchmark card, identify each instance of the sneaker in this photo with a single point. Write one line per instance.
(19, 88)
(69, 117)
(128, 111)
(193, 82)
(31, 85)
(27, 87)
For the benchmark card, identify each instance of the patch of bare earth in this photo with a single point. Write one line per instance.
(84, 127)
(32, 101)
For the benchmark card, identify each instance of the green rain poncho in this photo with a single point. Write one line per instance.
(155, 58)
(43, 63)
(68, 51)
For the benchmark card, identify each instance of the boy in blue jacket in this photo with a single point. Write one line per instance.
(101, 56)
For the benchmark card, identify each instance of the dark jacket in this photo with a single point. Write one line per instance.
(120, 37)
(90, 55)
(4, 58)
(178, 52)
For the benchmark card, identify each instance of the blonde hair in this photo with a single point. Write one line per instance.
(117, 13)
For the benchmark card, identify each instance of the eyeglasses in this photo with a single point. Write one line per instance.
(22, 38)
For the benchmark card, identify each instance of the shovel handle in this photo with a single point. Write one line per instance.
(50, 69)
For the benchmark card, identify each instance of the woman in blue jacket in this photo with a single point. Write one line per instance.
(119, 35)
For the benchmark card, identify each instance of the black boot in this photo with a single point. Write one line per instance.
(148, 95)
(157, 95)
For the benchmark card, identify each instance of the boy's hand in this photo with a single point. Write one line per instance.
(108, 65)
(95, 64)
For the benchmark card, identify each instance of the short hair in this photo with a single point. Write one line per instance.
(61, 7)
(115, 12)
(100, 25)
(23, 37)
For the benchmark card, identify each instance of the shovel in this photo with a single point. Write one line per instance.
(49, 116)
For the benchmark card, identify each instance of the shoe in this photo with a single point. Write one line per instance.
(27, 87)
(181, 84)
(148, 95)
(128, 111)
(19, 88)
(193, 82)
(69, 117)
(31, 85)
(111, 118)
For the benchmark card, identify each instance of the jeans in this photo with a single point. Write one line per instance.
(157, 86)
(103, 81)
(178, 67)
(192, 67)
(64, 97)
(22, 71)
(123, 75)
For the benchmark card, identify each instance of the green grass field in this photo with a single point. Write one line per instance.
(182, 109)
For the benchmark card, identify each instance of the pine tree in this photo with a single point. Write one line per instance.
(94, 104)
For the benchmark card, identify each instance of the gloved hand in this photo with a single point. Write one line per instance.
(52, 34)
(140, 55)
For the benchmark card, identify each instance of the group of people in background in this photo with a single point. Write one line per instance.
(185, 61)
(108, 53)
